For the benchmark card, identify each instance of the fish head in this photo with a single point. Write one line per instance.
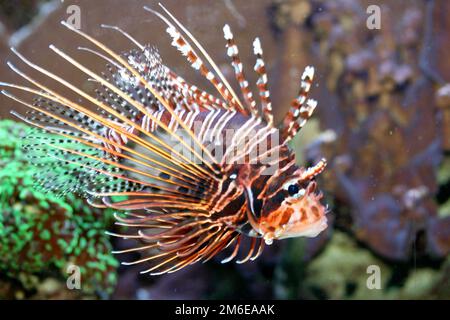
(293, 209)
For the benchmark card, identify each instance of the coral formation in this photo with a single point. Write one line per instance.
(387, 115)
(379, 93)
(41, 234)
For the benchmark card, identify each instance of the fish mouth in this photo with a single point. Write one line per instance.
(309, 218)
(310, 231)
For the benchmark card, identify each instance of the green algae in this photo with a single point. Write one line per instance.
(41, 233)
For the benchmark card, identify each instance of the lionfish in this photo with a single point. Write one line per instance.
(190, 173)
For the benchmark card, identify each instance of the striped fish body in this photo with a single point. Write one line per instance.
(190, 173)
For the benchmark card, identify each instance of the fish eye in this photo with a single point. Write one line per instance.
(293, 189)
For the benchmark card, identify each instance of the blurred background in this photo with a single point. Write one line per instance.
(383, 123)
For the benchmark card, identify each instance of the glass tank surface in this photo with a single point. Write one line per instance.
(262, 149)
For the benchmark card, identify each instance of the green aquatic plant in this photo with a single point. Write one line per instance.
(41, 233)
(345, 270)
(443, 177)
(342, 270)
